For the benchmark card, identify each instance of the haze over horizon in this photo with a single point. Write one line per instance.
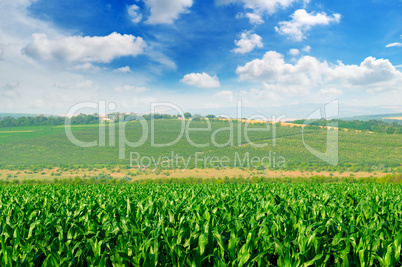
(201, 55)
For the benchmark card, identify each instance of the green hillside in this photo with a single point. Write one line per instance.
(46, 145)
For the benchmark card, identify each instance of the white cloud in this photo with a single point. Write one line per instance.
(247, 42)
(263, 6)
(225, 95)
(254, 17)
(201, 80)
(133, 12)
(394, 45)
(309, 73)
(165, 12)
(85, 49)
(307, 49)
(85, 67)
(130, 88)
(123, 69)
(302, 22)
(294, 51)
(1, 52)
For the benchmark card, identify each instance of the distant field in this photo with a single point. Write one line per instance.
(46, 145)
(393, 118)
(374, 117)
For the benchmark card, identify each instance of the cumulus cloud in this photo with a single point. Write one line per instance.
(302, 22)
(308, 73)
(165, 12)
(133, 12)
(247, 42)
(394, 45)
(85, 49)
(294, 52)
(253, 17)
(261, 6)
(130, 88)
(307, 49)
(201, 80)
(123, 69)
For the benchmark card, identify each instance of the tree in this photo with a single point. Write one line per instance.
(389, 130)
(187, 115)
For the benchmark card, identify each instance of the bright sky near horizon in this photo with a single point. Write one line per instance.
(199, 54)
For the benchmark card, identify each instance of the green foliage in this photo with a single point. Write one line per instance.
(339, 224)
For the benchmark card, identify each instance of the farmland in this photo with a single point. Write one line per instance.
(199, 225)
(49, 146)
(63, 204)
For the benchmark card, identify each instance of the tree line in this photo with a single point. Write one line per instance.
(45, 120)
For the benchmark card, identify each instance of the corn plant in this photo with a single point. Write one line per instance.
(201, 225)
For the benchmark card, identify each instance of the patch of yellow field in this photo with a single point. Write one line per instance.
(393, 118)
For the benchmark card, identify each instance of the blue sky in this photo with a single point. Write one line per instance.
(201, 55)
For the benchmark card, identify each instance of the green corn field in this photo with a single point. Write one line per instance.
(201, 225)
